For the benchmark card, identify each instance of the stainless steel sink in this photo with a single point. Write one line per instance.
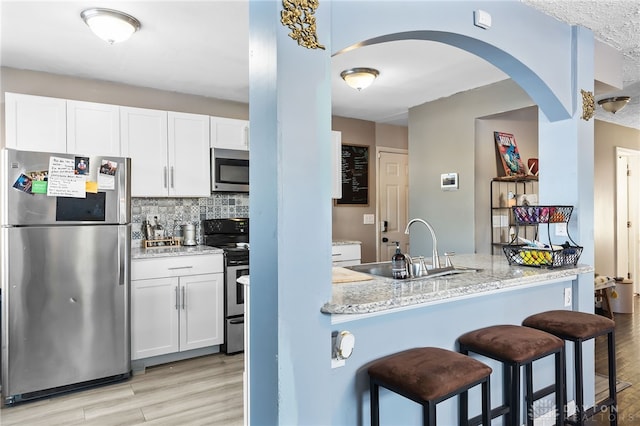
(383, 269)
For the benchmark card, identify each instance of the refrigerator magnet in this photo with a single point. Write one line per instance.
(23, 183)
(39, 181)
(82, 165)
(107, 175)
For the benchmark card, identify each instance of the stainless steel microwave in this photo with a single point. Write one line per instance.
(229, 170)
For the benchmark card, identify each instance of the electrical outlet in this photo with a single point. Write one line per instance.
(561, 229)
(567, 297)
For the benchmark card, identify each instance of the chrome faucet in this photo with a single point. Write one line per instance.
(435, 260)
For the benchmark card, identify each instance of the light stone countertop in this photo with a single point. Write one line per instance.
(345, 242)
(384, 294)
(142, 253)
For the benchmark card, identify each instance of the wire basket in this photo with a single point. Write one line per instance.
(542, 257)
(528, 215)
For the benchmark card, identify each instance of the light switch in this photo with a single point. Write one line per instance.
(369, 219)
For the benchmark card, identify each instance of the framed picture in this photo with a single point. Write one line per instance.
(510, 159)
(449, 181)
(355, 175)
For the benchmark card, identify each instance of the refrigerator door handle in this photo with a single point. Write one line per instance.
(123, 255)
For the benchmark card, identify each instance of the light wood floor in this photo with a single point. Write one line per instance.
(208, 391)
(200, 391)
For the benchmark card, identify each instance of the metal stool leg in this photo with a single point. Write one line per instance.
(528, 397)
(561, 387)
(514, 399)
(486, 403)
(579, 382)
(429, 414)
(374, 393)
(613, 398)
(463, 408)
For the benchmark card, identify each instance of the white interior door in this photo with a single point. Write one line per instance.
(393, 203)
(628, 214)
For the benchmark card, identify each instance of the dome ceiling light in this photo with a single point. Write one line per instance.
(110, 25)
(614, 104)
(359, 78)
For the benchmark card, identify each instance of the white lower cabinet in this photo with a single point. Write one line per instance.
(179, 312)
(345, 254)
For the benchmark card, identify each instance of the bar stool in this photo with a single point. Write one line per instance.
(428, 376)
(579, 327)
(516, 346)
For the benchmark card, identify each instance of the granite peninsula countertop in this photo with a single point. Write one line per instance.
(384, 294)
(345, 242)
(142, 253)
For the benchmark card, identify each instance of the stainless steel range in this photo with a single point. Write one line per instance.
(231, 235)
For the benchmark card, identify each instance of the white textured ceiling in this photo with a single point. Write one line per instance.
(202, 47)
(616, 23)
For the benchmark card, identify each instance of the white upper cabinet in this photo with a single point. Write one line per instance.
(169, 152)
(93, 129)
(35, 123)
(229, 133)
(144, 140)
(189, 159)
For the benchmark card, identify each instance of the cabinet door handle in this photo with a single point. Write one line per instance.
(172, 184)
(165, 176)
(177, 299)
(184, 298)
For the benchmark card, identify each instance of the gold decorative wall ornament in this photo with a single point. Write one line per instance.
(297, 15)
(588, 105)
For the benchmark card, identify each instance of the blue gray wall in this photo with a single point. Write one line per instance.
(290, 107)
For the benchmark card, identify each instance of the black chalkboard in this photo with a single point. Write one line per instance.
(355, 175)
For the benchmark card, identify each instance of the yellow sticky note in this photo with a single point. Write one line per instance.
(91, 187)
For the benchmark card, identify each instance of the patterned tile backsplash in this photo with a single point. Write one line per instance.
(173, 212)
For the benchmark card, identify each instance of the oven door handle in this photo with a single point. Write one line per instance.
(237, 321)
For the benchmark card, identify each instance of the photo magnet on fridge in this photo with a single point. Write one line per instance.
(82, 165)
(23, 183)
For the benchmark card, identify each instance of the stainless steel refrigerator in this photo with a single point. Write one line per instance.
(65, 250)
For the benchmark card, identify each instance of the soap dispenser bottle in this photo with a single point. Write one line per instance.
(399, 264)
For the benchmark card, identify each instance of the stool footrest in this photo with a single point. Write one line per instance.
(496, 412)
(544, 392)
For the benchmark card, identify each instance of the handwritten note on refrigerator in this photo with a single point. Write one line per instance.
(63, 181)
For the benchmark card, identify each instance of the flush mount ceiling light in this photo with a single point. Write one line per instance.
(614, 104)
(359, 78)
(110, 25)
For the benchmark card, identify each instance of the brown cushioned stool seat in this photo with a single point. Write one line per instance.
(578, 327)
(516, 346)
(428, 376)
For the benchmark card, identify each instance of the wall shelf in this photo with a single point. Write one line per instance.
(507, 192)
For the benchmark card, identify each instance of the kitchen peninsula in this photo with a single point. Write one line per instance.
(387, 316)
(492, 275)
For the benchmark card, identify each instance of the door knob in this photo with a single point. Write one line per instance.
(385, 240)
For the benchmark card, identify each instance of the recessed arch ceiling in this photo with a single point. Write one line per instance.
(412, 72)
